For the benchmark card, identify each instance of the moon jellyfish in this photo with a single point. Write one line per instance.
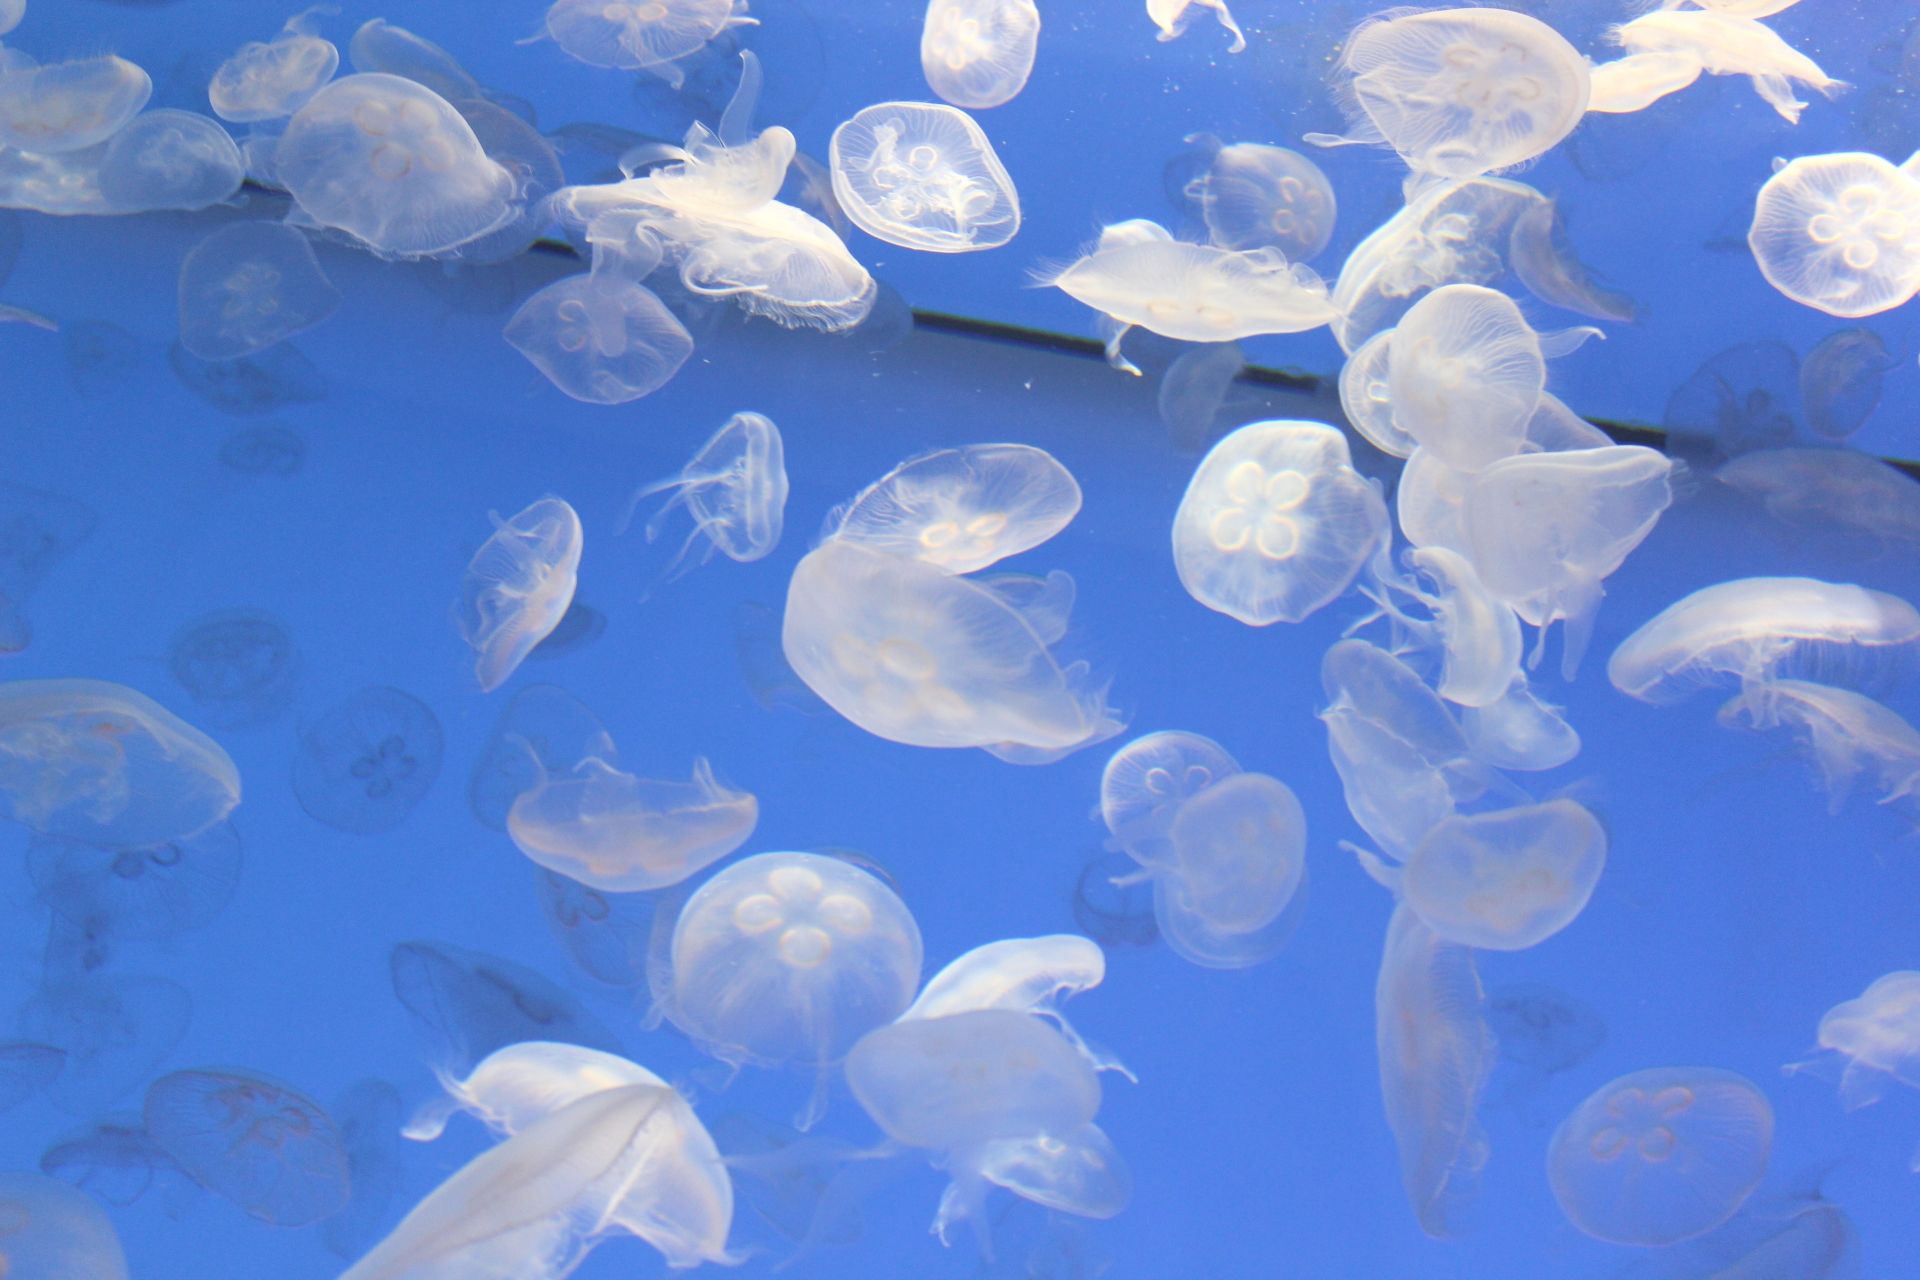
(963, 509)
(67, 183)
(1275, 523)
(544, 731)
(1756, 630)
(1840, 381)
(1660, 1156)
(1259, 197)
(366, 763)
(605, 934)
(518, 586)
(1872, 1039)
(914, 654)
(273, 80)
(1847, 733)
(1464, 374)
(116, 1030)
(629, 35)
(107, 765)
(1172, 18)
(170, 160)
(1026, 975)
(516, 1085)
(1435, 1055)
(1509, 879)
(1519, 731)
(1638, 80)
(380, 46)
(1544, 260)
(1839, 233)
(923, 176)
(605, 341)
(470, 1003)
(256, 1140)
(248, 286)
(1741, 399)
(1830, 490)
(1194, 390)
(49, 1231)
(1237, 887)
(239, 665)
(368, 1116)
(735, 488)
(979, 53)
(69, 106)
(11, 11)
(1461, 92)
(160, 891)
(1146, 782)
(1546, 528)
(1477, 635)
(1730, 45)
(392, 163)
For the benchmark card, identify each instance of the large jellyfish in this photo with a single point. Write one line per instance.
(49, 1231)
(1660, 1156)
(1839, 233)
(250, 285)
(1275, 523)
(68, 106)
(256, 1140)
(735, 488)
(1847, 733)
(1509, 879)
(1172, 18)
(518, 587)
(923, 176)
(962, 509)
(273, 80)
(650, 33)
(1727, 44)
(979, 53)
(1464, 373)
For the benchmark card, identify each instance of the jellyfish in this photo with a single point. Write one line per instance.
(1839, 233)
(1461, 92)
(1726, 44)
(1275, 523)
(734, 487)
(1464, 374)
(105, 764)
(116, 1029)
(248, 286)
(1738, 400)
(66, 183)
(1661, 1156)
(1026, 975)
(65, 107)
(1546, 528)
(1254, 196)
(1840, 381)
(518, 586)
(1837, 490)
(963, 509)
(271, 450)
(1757, 630)
(1111, 904)
(1236, 888)
(1435, 1055)
(48, 1229)
(259, 383)
(26, 1068)
(1429, 501)
(256, 1140)
(393, 164)
(602, 341)
(273, 80)
(1543, 1031)
(1172, 19)
(629, 35)
(1847, 733)
(979, 53)
(1519, 731)
(1478, 635)
(380, 46)
(604, 934)
(1364, 397)
(11, 11)
(544, 731)
(100, 356)
(1544, 260)
(471, 1003)
(519, 148)
(1194, 390)
(114, 1159)
(1871, 1040)
(369, 761)
(170, 160)
(923, 176)
(914, 654)
(239, 665)
(1637, 81)
(156, 892)
(518, 1084)
(1146, 782)
(623, 834)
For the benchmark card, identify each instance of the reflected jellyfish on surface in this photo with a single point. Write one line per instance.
(1172, 18)
(1026, 975)
(963, 509)
(37, 530)
(605, 934)
(1840, 381)
(368, 1115)
(1847, 733)
(115, 1028)
(1194, 390)
(1839, 233)
(1662, 1155)
(256, 1140)
(734, 487)
(105, 764)
(544, 730)
(25, 1069)
(629, 35)
(923, 176)
(170, 160)
(49, 1231)
(471, 1003)
(518, 586)
(605, 341)
(1506, 880)
(1253, 196)
(1275, 523)
(250, 285)
(1544, 260)
(68, 106)
(240, 665)
(259, 383)
(979, 53)
(159, 891)
(1727, 44)
(268, 81)
(365, 764)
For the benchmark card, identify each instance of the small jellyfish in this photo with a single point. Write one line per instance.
(256, 1140)
(1146, 782)
(1253, 196)
(1840, 381)
(1172, 18)
(1839, 233)
(1727, 44)
(1544, 260)
(368, 1115)
(923, 176)
(157, 892)
(1755, 630)
(629, 35)
(1275, 523)
(250, 285)
(470, 1003)
(1872, 1039)
(64, 107)
(1237, 885)
(544, 731)
(1506, 880)
(101, 356)
(1660, 1156)
(1026, 975)
(25, 1069)
(273, 80)
(105, 764)
(272, 450)
(1194, 390)
(1847, 733)
(605, 934)
(518, 586)
(979, 53)
(1464, 374)
(170, 160)
(49, 1231)
(239, 665)
(735, 488)
(1112, 905)
(116, 1030)
(259, 383)
(1543, 1031)
(963, 509)
(366, 763)
(113, 1158)
(1461, 92)
(578, 627)
(1638, 80)
(1836, 490)
(605, 341)
(380, 46)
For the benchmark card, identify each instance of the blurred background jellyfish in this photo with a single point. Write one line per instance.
(256, 1140)
(963, 509)
(53, 1230)
(65, 107)
(518, 586)
(367, 762)
(116, 1029)
(1840, 381)
(923, 176)
(159, 891)
(250, 285)
(469, 1003)
(1870, 1040)
(979, 53)
(239, 665)
(544, 731)
(734, 487)
(1839, 233)
(272, 80)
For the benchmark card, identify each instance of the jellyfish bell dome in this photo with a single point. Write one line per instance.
(1839, 233)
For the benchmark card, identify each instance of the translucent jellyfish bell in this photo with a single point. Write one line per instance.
(1726, 44)
(962, 509)
(1259, 197)
(369, 760)
(1236, 886)
(1275, 523)
(1876, 1038)
(1026, 975)
(1365, 396)
(518, 587)
(273, 80)
(1464, 374)
(1477, 634)
(735, 488)
(605, 341)
(1147, 781)
(56, 1232)
(636, 33)
(923, 176)
(979, 53)
(1638, 80)
(256, 1140)
(1172, 17)
(69, 106)
(1660, 1156)
(11, 11)
(170, 160)
(1840, 382)
(1848, 734)
(1509, 879)
(1519, 731)
(1839, 233)
(515, 1086)
(248, 286)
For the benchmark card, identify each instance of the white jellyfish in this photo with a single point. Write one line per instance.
(979, 53)
(1847, 734)
(1258, 197)
(1275, 523)
(604, 340)
(1519, 731)
(1638, 80)
(273, 80)
(1026, 975)
(1726, 44)
(1477, 634)
(1872, 1039)
(11, 11)
(1839, 233)
(518, 1084)
(1505, 880)
(1145, 783)
(1235, 888)
(735, 488)
(68, 106)
(1429, 500)
(1171, 17)
(169, 160)
(1368, 404)
(249, 285)
(637, 33)
(518, 587)
(923, 176)
(1464, 373)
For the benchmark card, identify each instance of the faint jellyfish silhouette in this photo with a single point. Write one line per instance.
(604, 934)
(272, 450)
(170, 160)
(600, 339)
(763, 665)
(979, 53)
(272, 80)
(114, 1158)
(800, 1185)
(470, 1003)
(25, 1069)
(69, 106)
(48, 1229)
(1662, 1155)
(1112, 913)
(115, 1028)
(11, 11)
(1253, 196)
(1847, 734)
(101, 356)
(378, 45)
(250, 285)
(578, 627)
(923, 176)
(37, 530)
(544, 730)
(369, 761)
(1543, 1031)
(1746, 397)
(1194, 390)
(519, 148)
(256, 1140)
(734, 487)
(1544, 260)
(518, 586)
(240, 665)
(159, 891)
(260, 383)
(368, 1114)
(1840, 381)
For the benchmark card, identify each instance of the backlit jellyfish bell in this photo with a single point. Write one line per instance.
(604, 341)
(1368, 401)
(514, 1086)
(249, 285)
(518, 587)
(638, 33)
(1026, 975)
(963, 509)
(1847, 734)
(1661, 1156)
(1464, 373)
(1726, 43)
(11, 11)
(367, 762)
(923, 176)
(170, 160)
(69, 106)
(1872, 1039)
(734, 487)
(273, 80)
(48, 1229)
(1275, 523)
(1237, 886)
(1259, 197)
(1840, 233)
(1147, 781)
(1509, 879)
(256, 1140)
(979, 53)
